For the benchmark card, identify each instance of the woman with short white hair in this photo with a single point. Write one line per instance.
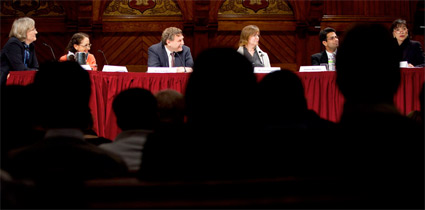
(18, 54)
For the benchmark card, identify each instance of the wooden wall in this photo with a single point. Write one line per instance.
(289, 39)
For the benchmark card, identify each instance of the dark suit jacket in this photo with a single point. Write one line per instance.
(411, 51)
(157, 56)
(318, 58)
(12, 58)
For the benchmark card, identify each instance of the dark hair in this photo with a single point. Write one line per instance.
(135, 108)
(76, 39)
(383, 72)
(323, 33)
(398, 23)
(63, 96)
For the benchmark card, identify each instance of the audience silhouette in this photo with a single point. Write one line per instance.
(62, 159)
(136, 112)
(18, 125)
(418, 115)
(381, 151)
(291, 133)
(218, 140)
(170, 107)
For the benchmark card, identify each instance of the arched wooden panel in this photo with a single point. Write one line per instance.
(124, 48)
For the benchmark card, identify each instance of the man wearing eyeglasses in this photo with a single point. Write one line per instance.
(171, 51)
(327, 57)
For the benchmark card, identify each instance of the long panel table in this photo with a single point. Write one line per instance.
(321, 92)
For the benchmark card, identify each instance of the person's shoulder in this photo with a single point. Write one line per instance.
(156, 46)
(63, 58)
(13, 41)
(317, 54)
(415, 43)
(186, 48)
(90, 56)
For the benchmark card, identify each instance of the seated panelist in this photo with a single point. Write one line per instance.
(171, 51)
(409, 50)
(248, 46)
(79, 42)
(330, 40)
(18, 54)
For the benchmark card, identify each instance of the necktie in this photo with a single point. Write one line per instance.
(27, 55)
(332, 62)
(172, 59)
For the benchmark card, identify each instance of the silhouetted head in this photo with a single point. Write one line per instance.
(170, 106)
(282, 95)
(222, 88)
(367, 65)
(62, 91)
(421, 99)
(135, 108)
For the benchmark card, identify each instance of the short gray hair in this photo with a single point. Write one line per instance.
(20, 28)
(169, 33)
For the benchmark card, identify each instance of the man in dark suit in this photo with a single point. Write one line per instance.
(330, 40)
(170, 52)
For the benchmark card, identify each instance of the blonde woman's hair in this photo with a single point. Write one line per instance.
(246, 32)
(20, 28)
(169, 33)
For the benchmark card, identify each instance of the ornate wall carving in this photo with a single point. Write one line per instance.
(142, 7)
(31, 8)
(255, 7)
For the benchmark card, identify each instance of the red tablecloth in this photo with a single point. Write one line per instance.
(321, 92)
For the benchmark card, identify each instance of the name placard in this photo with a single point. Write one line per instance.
(312, 68)
(111, 68)
(86, 67)
(265, 69)
(162, 70)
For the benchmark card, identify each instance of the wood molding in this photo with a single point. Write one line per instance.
(237, 25)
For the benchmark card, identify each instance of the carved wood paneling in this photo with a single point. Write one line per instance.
(289, 39)
(58, 42)
(124, 48)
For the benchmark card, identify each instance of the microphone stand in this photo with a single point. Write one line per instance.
(104, 56)
(54, 57)
(184, 66)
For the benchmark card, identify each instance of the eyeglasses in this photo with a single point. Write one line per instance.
(400, 29)
(333, 37)
(86, 46)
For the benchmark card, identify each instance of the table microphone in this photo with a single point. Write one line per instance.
(261, 55)
(103, 56)
(184, 66)
(54, 57)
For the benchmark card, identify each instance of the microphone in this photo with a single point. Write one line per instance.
(184, 66)
(103, 56)
(261, 56)
(54, 57)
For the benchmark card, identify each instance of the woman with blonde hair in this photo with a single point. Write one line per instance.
(18, 54)
(248, 46)
(80, 42)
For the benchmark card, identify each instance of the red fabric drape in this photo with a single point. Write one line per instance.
(321, 92)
